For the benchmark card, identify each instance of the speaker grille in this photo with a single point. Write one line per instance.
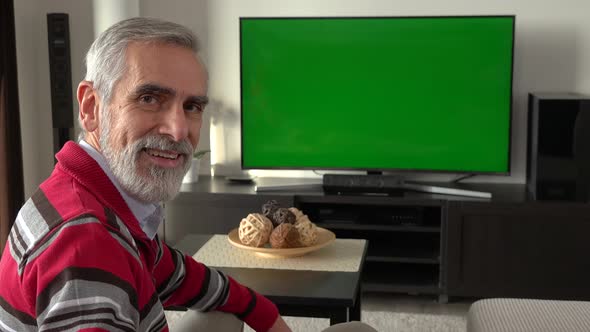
(58, 36)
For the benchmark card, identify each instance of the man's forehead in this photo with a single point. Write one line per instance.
(174, 68)
(140, 51)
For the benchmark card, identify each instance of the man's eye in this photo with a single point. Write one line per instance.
(194, 108)
(147, 99)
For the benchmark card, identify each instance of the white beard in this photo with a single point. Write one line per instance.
(151, 185)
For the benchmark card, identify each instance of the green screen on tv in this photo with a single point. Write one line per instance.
(386, 93)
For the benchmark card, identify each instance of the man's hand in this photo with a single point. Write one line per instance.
(279, 326)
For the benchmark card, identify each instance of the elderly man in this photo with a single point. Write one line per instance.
(83, 253)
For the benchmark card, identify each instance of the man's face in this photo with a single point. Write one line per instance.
(152, 124)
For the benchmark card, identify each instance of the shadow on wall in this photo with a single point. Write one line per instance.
(225, 139)
(546, 56)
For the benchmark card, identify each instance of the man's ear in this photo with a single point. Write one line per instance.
(89, 105)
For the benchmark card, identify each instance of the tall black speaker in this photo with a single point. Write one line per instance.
(558, 149)
(58, 37)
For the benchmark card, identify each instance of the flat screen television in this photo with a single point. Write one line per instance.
(426, 94)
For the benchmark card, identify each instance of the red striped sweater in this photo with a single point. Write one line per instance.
(77, 259)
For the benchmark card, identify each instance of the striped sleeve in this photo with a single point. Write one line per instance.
(190, 285)
(84, 298)
(182, 281)
(66, 275)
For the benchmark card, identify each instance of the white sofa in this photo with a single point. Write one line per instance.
(520, 315)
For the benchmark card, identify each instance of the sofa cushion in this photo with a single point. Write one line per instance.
(502, 314)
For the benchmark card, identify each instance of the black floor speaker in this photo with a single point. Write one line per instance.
(60, 75)
(558, 148)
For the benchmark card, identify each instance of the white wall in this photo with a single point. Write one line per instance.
(109, 12)
(552, 53)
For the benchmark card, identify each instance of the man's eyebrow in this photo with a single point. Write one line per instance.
(151, 88)
(201, 100)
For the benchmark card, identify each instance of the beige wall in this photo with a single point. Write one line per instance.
(552, 54)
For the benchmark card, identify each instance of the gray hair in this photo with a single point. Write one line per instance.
(105, 60)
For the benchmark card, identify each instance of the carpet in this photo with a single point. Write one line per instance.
(383, 321)
(386, 321)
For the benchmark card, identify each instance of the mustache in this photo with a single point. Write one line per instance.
(162, 143)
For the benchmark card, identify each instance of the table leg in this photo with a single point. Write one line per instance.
(339, 316)
(355, 311)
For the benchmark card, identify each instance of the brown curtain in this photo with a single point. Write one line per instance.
(11, 170)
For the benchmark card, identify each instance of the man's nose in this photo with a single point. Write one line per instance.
(174, 123)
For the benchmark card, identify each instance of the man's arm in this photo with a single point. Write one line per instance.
(184, 282)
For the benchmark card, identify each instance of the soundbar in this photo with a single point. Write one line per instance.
(370, 183)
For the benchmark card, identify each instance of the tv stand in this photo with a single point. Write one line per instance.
(446, 190)
(451, 246)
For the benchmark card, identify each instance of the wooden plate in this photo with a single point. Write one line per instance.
(325, 237)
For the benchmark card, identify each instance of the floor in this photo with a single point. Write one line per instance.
(414, 304)
(392, 312)
(399, 312)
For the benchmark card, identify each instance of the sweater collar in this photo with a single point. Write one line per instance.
(148, 214)
(76, 162)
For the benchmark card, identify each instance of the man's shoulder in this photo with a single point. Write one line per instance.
(41, 220)
(58, 199)
(36, 237)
